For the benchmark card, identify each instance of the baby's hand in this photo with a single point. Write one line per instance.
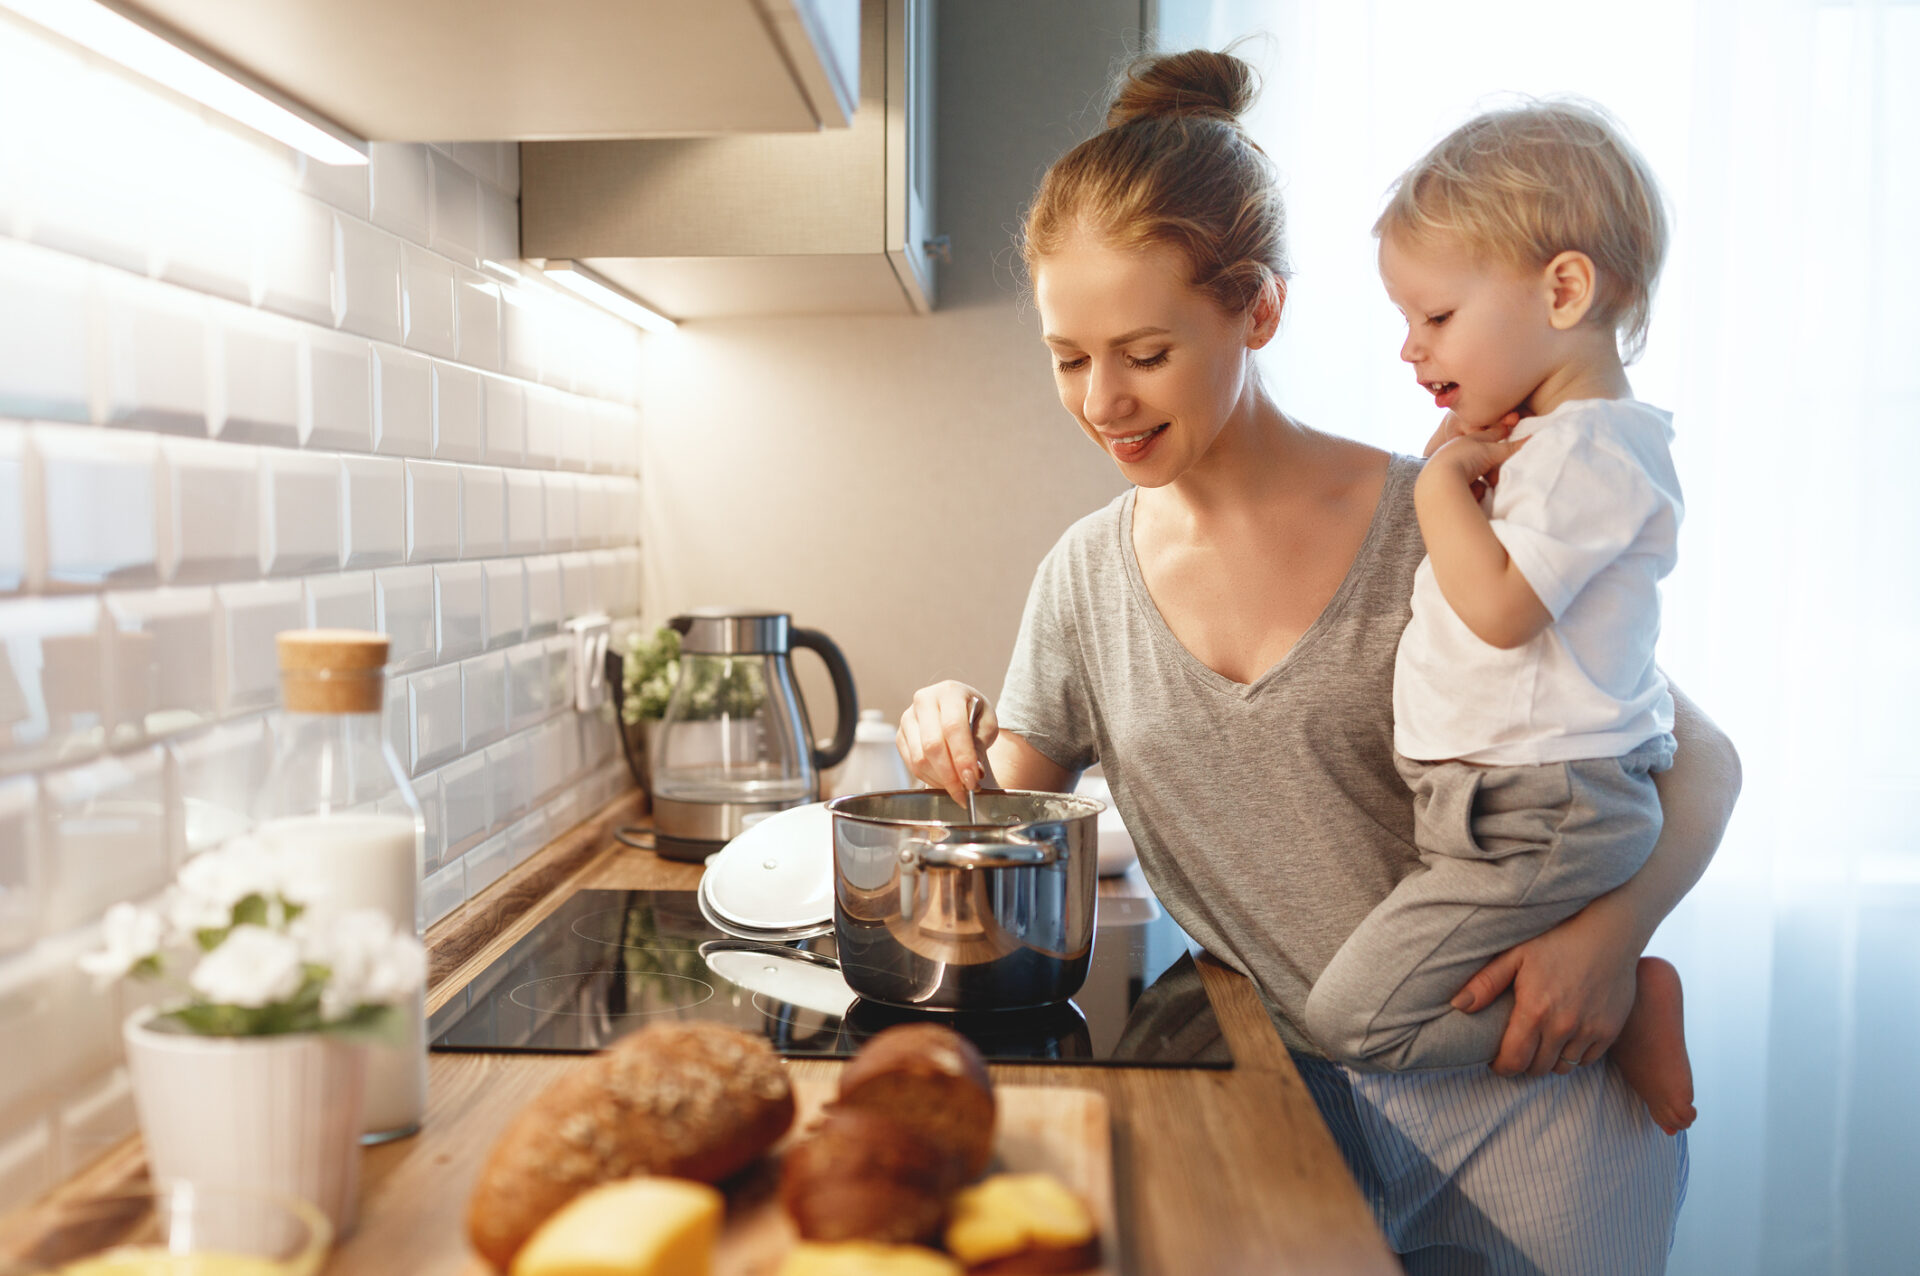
(1452, 427)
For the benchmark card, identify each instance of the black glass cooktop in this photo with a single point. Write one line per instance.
(609, 962)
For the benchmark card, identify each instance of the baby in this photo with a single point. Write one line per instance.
(1528, 711)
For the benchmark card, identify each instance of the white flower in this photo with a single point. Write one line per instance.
(369, 962)
(131, 935)
(254, 967)
(213, 882)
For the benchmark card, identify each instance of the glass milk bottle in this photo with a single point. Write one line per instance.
(337, 800)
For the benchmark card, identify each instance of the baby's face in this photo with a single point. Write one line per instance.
(1478, 334)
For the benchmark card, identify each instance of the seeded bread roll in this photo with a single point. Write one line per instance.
(862, 1175)
(934, 1080)
(685, 1100)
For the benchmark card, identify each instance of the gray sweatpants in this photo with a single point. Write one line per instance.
(1506, 853)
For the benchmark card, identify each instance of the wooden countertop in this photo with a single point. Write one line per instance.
(1215, 1172)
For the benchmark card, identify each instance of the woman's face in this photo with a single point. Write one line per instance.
(1151, 368)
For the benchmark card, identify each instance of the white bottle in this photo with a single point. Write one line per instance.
(337, 798)
(874, 764)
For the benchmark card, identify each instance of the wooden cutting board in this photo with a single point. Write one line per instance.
(1058, 1130)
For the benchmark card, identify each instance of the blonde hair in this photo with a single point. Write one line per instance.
(1174, 167)
(1526, 183)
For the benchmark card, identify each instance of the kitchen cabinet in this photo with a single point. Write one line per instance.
(453, 70)
(821, 223)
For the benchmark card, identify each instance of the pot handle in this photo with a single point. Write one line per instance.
(846, 700)
(1019, 853)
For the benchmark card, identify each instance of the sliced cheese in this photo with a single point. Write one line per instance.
(1010, 1213)
(865, 1258)
(630, 1227)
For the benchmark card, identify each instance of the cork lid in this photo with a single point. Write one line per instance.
(332, 670)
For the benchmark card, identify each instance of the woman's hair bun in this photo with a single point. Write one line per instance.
(1197, 82)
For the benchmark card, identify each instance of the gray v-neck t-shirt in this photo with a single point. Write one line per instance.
(1268, 816)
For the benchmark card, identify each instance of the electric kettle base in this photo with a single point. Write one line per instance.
(691, 831)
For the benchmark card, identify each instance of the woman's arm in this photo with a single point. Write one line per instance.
(1574, 985)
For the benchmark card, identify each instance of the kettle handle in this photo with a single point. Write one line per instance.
(846, 700)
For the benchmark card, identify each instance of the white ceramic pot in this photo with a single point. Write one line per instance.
(275, 1114)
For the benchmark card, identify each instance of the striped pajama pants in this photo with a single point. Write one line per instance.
(1474, 1174)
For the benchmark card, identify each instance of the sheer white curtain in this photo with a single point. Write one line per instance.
(1786, 338)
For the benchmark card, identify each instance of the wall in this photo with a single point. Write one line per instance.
(895, 481)
(241, 393)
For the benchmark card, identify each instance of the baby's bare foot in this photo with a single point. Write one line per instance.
(1651, 1051)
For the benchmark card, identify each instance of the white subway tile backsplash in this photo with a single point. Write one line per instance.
(459, 414)
(487, 863)
(13, 508)
(483, 682)
(79, 193)
(426, 301)
(217, 775)
(257, 398)
(591, 511)
(519, 333)
(626, 583)
(402, 402)
(483, 515)
(98, 1116)
(294, 257)
(162, 663)
(500, 219)
(92, 508)
(397, 178)
(434, 703)
(44, 329)
(465, 800)
(454, 195)
(526, 512)
(22, 873)
(528, 700)
(433, 511)
(549, 755)
(210, 511)
(562, 500)
(157, 356)
(107, 829)
(459, 609)
(373, 511)
(366, 279)
(607, 582)
(547, 411)
(403, 606)
(246, 664)
(338, 375)
(506, 417)
(52, 703)
(302, 514)
(544, 606)
(507, 772)
(344, 186)
(559, 651)
(345, 602)
(528, 835)
(506, 602)
(577, 597)
(476, 322)
(397, 715)
(442, 892)
(46, 1001)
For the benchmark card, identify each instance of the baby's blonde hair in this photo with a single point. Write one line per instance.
(1523, 184)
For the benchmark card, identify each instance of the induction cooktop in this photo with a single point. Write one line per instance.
(608, 962)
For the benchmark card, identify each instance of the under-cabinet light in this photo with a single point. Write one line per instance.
(170, 61)
(580, 281)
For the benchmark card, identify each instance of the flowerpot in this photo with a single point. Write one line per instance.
(275, 1114)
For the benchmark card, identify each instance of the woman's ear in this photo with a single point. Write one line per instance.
(1570, 281)
(1264, 317)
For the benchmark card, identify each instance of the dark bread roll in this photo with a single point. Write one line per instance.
(685, 1100)
(932, 1079)
(863, 1175)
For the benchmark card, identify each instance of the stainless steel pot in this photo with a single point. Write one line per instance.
(932, 912)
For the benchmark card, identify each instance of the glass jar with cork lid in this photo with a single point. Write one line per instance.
(338, 804)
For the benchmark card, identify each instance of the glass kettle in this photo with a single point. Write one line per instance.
(735, 742)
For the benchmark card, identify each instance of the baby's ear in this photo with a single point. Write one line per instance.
(1570, 281)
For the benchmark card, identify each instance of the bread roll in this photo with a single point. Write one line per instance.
(865, 1176)
(686, 1100)
(1021, 1225)
(931, 1078)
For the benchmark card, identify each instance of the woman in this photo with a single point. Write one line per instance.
(1221, 638)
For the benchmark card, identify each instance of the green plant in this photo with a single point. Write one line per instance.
(720, 686)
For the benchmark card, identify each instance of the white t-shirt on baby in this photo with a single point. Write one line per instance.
(1589, 511)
